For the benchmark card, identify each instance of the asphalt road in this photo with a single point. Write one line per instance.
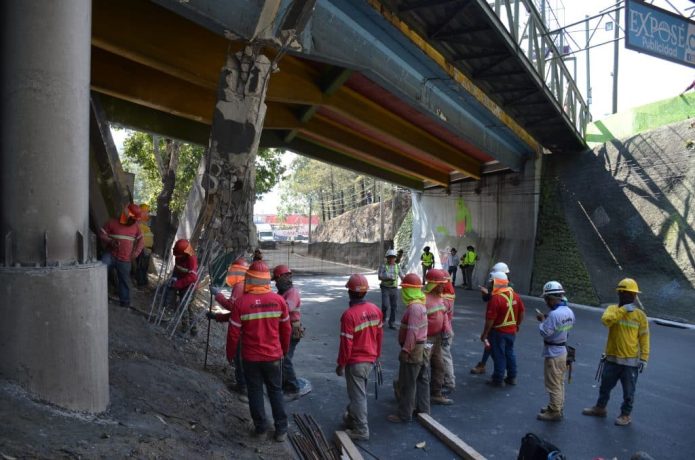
(493, 420)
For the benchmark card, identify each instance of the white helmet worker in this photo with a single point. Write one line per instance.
(500, 267)
(391, 253)
(553, 288)
(498, 276)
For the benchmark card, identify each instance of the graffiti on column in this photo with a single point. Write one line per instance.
(464, 222)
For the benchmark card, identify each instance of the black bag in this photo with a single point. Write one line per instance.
(534, 448)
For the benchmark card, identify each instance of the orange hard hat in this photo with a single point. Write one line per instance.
(259, 270)
(437, 276)
(281, 270)
(180, 247)
(411, 280)
(132, 211)
(357, 283)
(237, 271)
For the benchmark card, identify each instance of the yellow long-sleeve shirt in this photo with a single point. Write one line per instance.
(628, 335)
(148, 237)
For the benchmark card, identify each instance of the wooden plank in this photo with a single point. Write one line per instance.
(455, 443)
(347, 446)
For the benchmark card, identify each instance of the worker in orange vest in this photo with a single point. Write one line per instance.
(412, 388)
(361, 334)
(505, 313)
(261, 321)
(234, 279)
(438, 331)
(123, 241)
(185, 275)
(282, 275)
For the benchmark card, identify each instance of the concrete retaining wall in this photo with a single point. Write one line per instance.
(629, 203)
(369, 255)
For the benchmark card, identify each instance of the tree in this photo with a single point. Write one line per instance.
(164, 176)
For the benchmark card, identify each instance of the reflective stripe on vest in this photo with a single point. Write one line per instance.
(366, 324)
(510, 318)
(393, 282)
(435, 309)
(122, 237)
(261, 315)
(183, 269)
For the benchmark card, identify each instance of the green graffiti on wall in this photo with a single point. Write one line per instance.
(464, 222)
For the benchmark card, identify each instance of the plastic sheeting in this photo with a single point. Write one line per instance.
(497, 216)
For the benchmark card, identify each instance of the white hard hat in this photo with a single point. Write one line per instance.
(498, 276)
(391, 253)
(553, 288)
(500, 267)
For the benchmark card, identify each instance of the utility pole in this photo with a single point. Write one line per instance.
(616, 51)
(588, 65)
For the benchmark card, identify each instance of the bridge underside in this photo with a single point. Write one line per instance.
(158, 71)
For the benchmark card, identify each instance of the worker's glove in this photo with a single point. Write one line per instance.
(214, 290)
(211, 315)
(642, 366)
(630, 307)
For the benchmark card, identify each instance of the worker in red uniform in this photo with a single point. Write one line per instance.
(185, 275)
(361, 334)
(505, 312)
(412, 387)
(235, 280)
(282, 275)
(448, 297)
(438, 331)
(123, 241)
(262, 321)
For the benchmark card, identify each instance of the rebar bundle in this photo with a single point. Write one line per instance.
(309, 442)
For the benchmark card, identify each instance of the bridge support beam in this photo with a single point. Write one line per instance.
(54, 328)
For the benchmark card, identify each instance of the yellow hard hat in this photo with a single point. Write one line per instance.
(629, 285)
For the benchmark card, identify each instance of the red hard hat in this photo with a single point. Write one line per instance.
(357, 283)
(134, 211)
(437, 276)
(258, 269)
(241, 261)
(180, 247)
(411, 280)
(281, 270)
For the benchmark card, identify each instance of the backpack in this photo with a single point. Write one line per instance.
(535, 448)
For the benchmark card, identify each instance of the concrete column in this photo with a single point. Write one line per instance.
(54, 331)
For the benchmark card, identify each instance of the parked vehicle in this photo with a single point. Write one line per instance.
(266, 236)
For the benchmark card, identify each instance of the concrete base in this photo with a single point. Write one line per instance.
(54, 333)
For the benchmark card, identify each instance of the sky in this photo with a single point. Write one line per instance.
(641, 78)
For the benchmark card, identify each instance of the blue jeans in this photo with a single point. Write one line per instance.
(502, 350)
(289, 377)
(259, 373)
(123, 272)
(239, 371)
(612, 372)
(389, 300)
(452, 273)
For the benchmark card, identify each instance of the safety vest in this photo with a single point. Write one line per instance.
(122, 237)
(183, 269)
(393, 282)
(427, 259)
(510, 318)
(469, 258)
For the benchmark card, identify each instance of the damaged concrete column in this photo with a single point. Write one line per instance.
(236, 131)
(54, 328)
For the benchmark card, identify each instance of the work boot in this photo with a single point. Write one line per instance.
(257, 432)
(243, 398)
(547, 415)
(510, 380)
(356, 435)
(291, 396)
(441, 400)
(623, 420)
(595, 411)
(280, 437)
(478, 369)
(393, 418)
(495, 383)
(391, 326)
(347, 419)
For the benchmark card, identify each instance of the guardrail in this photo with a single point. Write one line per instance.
(524, 27)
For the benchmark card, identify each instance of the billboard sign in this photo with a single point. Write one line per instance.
(659, 33)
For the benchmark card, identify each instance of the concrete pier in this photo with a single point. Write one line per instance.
(53, 335)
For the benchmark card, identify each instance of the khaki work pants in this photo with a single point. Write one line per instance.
(413, 384)
(437, 365)
(356, 376)
(554, 373)
(448, 360)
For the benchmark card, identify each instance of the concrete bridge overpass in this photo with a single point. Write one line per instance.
(422, 94)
